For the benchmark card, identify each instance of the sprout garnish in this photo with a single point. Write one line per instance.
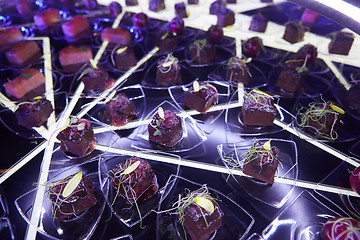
(165, 67)
(121, 50)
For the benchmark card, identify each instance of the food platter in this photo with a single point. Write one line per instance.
(197, 159)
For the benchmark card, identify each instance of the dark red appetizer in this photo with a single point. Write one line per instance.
(77, 138)
(200, 96)
(180, 10)
(258, 109)
(165, 128)
(225, 17)
(202, 52)
(258, 23)
(96, 79)
(199, 214)
(352, 99)
(294, 32)
(292, 77)
(341, 228)
(341, 43)
(354, 180)
(120, 110)
(156, 5)
(166, 41)
(134, 180)
(322, 118)
(261, 161)
(140, 20)
(308, 52)
(124, 58)
(168, 71)
(176, 25)
(215, 34)
(34, 112)
(115, 9)
(237, 70)
(71, 196)
(253, 47)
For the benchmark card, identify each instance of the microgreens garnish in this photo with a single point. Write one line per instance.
(165, 34)
(36, 101)
(72, 185)
(199, 43)
(346, 227)
(237, 62)
(258, 100)
(319, 113)
(166, 65)
(27, 75)
(72, 122)
(121, 50)
(83, 49)
(86, 71)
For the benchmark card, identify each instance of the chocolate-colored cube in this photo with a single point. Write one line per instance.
(258, 23)
(201, 99)
(225, 17)
(294, 32)
(34, 113)
(341, 43)
(180, 10)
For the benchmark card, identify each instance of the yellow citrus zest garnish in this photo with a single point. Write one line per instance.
(131, 168)
(37, 98)
(205, 204)
(121, 50)
(196, 86)
(261, 92)
(161, 113)
(72, 184)
(337, 109)
(267, 145)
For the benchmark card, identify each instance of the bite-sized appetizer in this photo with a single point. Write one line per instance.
(10, 35)
(354, 180)
(131, 2)
(96, 79)
(341, 228)
(292, 77)
(341, 43)
(216, 6)
(71, 196)
(77, 138)
(352, 99)
(115, 9)
(180, 10)
(166, 41)
(200, 96)
(261, 161)
(120, 110)
(215, 34)
(199, 214)
(134, 180)
(258, 23)
(165, 128)
(47, 18)
(225, 17)
(202, 52)
(237, 70)
(308, 52)
(72, 58)
(156, 5)
(124, 58)
(140, 20)
(28, 80)
(168, 71)
(116, 36)
(23, 53)
(253, 47)
(294, 32)
(258, 109)
(322, 118)
(176, 25)
(34, 112)
(76, 27)
(23, 7)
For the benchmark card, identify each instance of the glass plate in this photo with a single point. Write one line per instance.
(205, 120)
(313, 85)
(81, 227)
(236, 221)
(233, 120)
(275, 194)
(6, 229)
(104, 138)
(347, 130)
(125, 212)
(257, 79)
(149, 81)
(191, 138)
(8, 118)
(222, 55)
(302, 220)
(135, 94)
(355, 149)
